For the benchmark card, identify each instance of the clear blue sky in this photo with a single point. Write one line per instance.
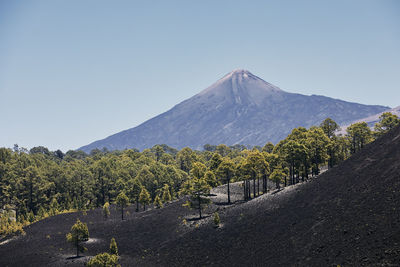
(72, 72)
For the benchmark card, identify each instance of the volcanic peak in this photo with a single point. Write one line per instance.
(239, 82)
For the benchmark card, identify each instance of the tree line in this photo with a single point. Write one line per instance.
(39, 183)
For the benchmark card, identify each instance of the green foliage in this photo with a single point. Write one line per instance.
(144, 197)
(166, 195)
(268, 147)
(79, 233)
(214, 162)
(359, 134)
(226, 172)
(387, 121)
(54, 207)
(198, 191)
(277, 177)
(185, 159)
(157, 202)
(134, 191)
(223, 150)
(40, 183)
(113, 247)
(103, 260)
(9, 226)
(211, 179)
(329, 127)
(31, 217)
(217, 220)
(106, 210)
(198, 170)
(122, 202)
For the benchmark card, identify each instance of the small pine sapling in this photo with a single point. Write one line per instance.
(157, 202)
(217, 220)
(113, 247)
(106, 210)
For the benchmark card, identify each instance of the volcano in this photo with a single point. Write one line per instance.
(240, 108)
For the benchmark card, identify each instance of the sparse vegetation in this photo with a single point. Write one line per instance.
(266, 223)
(103, 260)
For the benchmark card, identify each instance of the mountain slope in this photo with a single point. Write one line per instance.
(348, 216)
(371, 120)
(240, 108)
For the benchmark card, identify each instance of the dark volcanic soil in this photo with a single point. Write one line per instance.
(348, 216)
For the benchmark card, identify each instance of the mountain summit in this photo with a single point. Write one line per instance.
(240, 108)
(242, 86)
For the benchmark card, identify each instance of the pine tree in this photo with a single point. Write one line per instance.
(198, 191)
(268, 147)
(198, 170)
(214, 162)
(157, 202)
(387, 121)
(217, 220)
(144, 197)
(113, 247)
(106, 210)
(54, 207)
(359, 135)
(226, 172)
(210, 178)
(122, 202)
(329, 127)
(134, 191)
(79, 233)
(185, 159)
(277, 177)
(166, 195)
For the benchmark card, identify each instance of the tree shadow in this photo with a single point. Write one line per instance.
(197, 218)
(276, 191)
(75, 257)
(225, 203)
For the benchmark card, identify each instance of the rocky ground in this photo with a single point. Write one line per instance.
(348, 216)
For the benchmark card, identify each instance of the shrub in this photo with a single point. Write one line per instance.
(106, 210)
(113, 247)
(157, 202)
(217, 220)
(103, 260)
